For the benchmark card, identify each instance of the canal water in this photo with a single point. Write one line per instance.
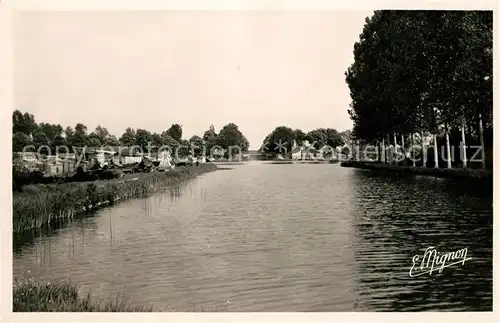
(267, 237)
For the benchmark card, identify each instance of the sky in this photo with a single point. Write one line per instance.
(149, 70)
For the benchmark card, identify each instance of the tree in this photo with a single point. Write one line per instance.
(101, 137)
(231, 136)
(68, 132)
(279, 141)
(317, 138)
(265, 144)
(81, 129)
(143, 138)
(346, 136)
(50, 130)
(111, 141)
(333, 138)
(102, 133)
(40, 139)
(20, 141)
(128, 137)
(169, 141)
(210, 138)
(197, 144)
(299, 136)
(23, 123)
(93, 140)
(175, 131)
(59, 141)
(156, 140)
(78, 137)
(421, 72)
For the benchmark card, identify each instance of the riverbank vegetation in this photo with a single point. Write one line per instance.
(38, 205)
(26, 131)
(62, 296)
(425, 78)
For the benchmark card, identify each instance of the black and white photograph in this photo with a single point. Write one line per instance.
(244, 161)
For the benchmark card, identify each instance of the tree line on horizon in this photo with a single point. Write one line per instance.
(26, 131)
(282, 138)
(421, 75)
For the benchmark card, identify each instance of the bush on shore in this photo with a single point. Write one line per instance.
(39, 205)
(54, 296)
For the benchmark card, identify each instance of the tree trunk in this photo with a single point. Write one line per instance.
(464, 149)
(379, 159)
(396, 159)
(357, 150)
(436, 156)
(382, 155)
(413, 149)
(403, 148)
(389, 151)
(424, 150)
(448, 150)
(481, 139)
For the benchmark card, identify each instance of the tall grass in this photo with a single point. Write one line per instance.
(62, 296)
(39, 205)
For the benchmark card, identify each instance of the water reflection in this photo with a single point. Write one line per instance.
(32, 237)
(411, 215)
(264, 237)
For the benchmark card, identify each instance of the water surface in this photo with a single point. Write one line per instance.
(270, 237)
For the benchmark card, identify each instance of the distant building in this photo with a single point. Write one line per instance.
(218, 152)
(68, 161)
(119, 155)
(306, 153)
(53, 165)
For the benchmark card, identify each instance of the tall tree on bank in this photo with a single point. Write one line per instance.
(23, 123)
(231, 136)
(210, 138)
(175, 131)
(322, 137)
(144, 139)
(128, 137)
(299, 136)
(424, 72)
(279, 141)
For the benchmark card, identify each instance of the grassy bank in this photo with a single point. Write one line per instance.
(39, 205)
(62, 296)
(456, 173)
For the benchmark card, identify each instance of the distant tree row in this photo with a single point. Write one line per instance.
(282, 138)
(427, 74)
(26, 132)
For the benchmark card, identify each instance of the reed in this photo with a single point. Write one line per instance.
(39, 205)
(62, 296)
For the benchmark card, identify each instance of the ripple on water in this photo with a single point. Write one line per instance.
(266, 237)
